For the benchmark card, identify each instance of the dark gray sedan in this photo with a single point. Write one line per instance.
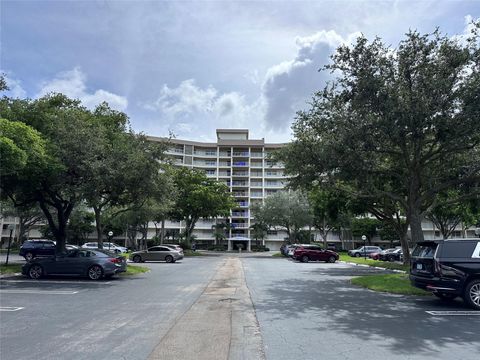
(94, 264)
(157, 253)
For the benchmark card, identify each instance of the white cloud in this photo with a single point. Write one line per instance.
(15, 87)
(467, 30)
(73, 84)
(289, 85)
(191, 111)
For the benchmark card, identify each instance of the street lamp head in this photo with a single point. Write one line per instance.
(364, 237)
(110, 233)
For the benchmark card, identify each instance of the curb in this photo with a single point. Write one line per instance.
(373, 267)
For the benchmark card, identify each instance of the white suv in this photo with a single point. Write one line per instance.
(106, 246)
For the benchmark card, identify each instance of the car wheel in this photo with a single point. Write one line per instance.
(331, 259)
(95, 272)
(29, 256)
(391, 259)
(305, 259)
(472, 294)
(357, 254)
(137, 259)
(169, 259)
(35, 272)
(445, 296)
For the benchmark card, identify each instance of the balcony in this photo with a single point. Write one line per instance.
(205, 163)
(240, 194)
(256, 165)
(239, 183)
(240, 173)
(256, 184)
(175, 151)
(240, 164)
(256, 155)
(239, 214)
(224, 174)
(242, 204)
(225, 154)
(256, 174)
(205, 153)
(239, 226)
(240, 153)
(256, 194)
(224, 164)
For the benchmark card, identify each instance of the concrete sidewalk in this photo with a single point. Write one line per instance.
(221, 324)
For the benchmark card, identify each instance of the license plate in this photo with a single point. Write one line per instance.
(419, 266)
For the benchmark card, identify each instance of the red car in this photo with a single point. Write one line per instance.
(306, 253)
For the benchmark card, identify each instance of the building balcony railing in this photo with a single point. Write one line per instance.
(256, 184)
(256, 155)
(206, 154)
(256, 165)
(224, 174)
(256, 194)
(239, 194)
(224, 164)
(175, 151)
(240, 164)
(224, 154)
(242, 204)
(239, 225)
(239, 183)
(240, 174)
(240, 153)
(205, 163)
(239, 214)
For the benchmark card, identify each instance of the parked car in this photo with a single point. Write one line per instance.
(94, 264)
(306, 253)
(106, 246)
(174, 246)
(157, 253)
(393, 255)
(290, 249)
(448, 268)
(31, 249)
(364, 250)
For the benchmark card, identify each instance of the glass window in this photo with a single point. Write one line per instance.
(424, 251)
(155, 248)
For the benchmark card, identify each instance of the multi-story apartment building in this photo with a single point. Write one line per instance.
(241, 164)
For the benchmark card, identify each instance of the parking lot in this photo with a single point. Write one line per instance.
(304, 310)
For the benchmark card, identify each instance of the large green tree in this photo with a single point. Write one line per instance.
(285, 210)
(399, 124)
(198, 197)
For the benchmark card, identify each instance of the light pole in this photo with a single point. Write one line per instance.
(364, 238)
(9, 227)
(110, 234)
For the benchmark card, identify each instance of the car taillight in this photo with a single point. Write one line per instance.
(116, 260)
(438, 268)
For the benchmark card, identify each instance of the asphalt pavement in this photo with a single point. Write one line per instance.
(229, 307)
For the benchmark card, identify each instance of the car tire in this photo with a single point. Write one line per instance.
(472, 294)
(35, 272)
(29, 256)
(305, 259)
(169, 259)
(357, 255)
(445, 296)
(391, 259)
(331, 259)
(95, 272)
(137, 259)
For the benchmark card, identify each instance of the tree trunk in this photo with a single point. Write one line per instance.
(416, 226)
(59, 227)
(162, 232)
(98, 226)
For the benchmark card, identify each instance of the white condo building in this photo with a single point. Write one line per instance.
(241, 164)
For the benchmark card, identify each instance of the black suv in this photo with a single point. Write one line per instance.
(34, 248)
(448, 268)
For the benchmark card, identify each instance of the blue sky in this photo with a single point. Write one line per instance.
(192, 67)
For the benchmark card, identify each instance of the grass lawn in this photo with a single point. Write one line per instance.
(10, 268)
(135, 269)
(370, 262)
(278, 254)
(391, 283)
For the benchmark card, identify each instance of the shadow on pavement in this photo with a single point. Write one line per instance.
(364, 314)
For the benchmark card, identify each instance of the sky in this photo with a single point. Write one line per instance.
(190, 67)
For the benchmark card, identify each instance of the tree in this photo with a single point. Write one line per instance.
(399, 125)
(259, 231)
(327, 206)
(80, 225)
(365, 226)
(450, 210)
(287, 211)
(125, 171)
(64, 142)
(199, 197)
(220, 232)
(27, 218)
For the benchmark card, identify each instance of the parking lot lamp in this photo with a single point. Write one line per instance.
(9, 227)
(110, 234)
(364, 238)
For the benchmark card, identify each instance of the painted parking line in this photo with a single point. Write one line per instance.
(55, 282)
(44, 292)
(453, 313)
(10, 308)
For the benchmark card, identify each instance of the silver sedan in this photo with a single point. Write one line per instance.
(157, 253)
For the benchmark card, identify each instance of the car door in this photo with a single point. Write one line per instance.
(163, 252)
(47, 248)
(153, 254)
(323, 255)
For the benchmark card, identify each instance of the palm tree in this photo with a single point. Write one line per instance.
(220, 231)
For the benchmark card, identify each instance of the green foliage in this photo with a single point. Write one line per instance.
(400, 125)
(284, 210)
(80, 225)
(198, 197)
(365, 226)
(390, 283)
